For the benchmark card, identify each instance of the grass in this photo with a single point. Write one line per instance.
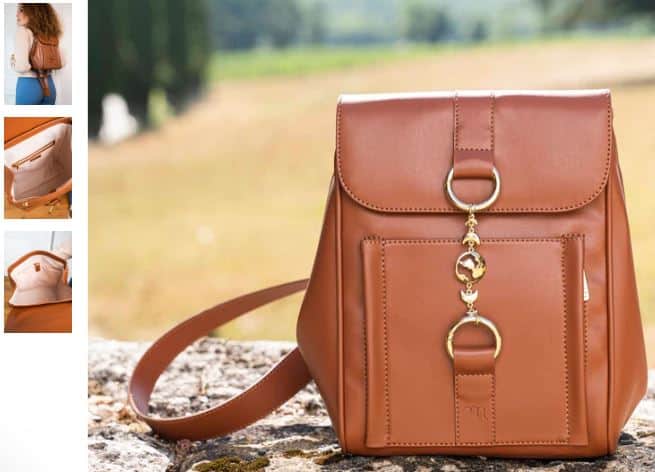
(303, 61)
(229, 197)
(308, 60)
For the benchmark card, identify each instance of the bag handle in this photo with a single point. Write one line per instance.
(277, 386)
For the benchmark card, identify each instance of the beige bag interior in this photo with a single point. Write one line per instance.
(39, 279)
(41, 163)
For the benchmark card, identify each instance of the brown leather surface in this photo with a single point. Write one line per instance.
(475, 396)
(280, 383)
(22, 127)
(52, 318)
(383, 294)
(412, 286)
(44, 53)
(473, 138)
(406, 144)
(18, 129)
(44, 58)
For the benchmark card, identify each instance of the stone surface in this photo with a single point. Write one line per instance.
(297, 436)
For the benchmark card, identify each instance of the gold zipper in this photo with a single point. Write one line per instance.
(585, 287)
(34, 156)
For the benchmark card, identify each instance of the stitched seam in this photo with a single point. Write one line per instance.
(564, 334)
(457, 409)
(492, 124)
(408, 242)
(585, 321)
(561, 240)
(386, 344)
(341, 400)
(491, 128)
(493, 405)
(367, 240)
(573, 206)
(493, 408)
(456, 102)
(503, 443)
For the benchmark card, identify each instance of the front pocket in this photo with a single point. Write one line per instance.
(532, 291)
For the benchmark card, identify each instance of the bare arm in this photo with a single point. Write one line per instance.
(22, 50)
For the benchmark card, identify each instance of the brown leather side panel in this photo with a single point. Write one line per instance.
(316, 331)
(628, 370)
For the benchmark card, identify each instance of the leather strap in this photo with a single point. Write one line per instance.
(279, 384)
(475, 392)
(473, 137)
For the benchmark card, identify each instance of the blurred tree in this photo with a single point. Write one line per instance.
(138, 47)
(236, 24)
(479, 32)
(315, 21)
(188, 52)
(427, 23)
(104, 61)
(282, 22)
(242, 24)
(565, 15)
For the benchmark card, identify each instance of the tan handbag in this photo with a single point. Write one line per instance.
(41, 297)
(473, 291)
(44, 58)
(38, 161)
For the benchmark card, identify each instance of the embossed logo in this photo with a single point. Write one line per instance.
(477, 411)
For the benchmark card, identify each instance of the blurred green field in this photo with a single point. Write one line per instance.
(304, 61)
(308, 60)
(229, 196)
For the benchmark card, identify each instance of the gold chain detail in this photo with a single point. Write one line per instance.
(470, 265)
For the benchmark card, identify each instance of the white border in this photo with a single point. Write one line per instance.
(43, 377)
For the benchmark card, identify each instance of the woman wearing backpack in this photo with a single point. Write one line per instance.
(37, 39)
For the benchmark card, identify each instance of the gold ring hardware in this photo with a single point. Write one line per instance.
(472, 207)
(478, 320)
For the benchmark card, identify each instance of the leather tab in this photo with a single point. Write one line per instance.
(475, 391)
(473, 137)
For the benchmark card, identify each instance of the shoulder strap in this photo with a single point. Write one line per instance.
(279, 384)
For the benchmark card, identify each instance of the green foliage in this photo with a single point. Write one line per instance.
(427, 23)
(479, 32)
(137, 47)
(281, 22)
(570, 14)
(235, 23)
(243, 24)
(315, 23)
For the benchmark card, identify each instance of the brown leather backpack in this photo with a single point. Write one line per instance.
(41, 297)
(44, 58)
(473, 291)
(38, 161)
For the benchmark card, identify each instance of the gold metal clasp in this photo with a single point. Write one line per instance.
(473, 317)
(472, 207)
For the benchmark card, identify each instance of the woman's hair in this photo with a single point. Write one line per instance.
(42, 19)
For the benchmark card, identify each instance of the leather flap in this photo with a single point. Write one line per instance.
(552, 150)
(18, 128)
